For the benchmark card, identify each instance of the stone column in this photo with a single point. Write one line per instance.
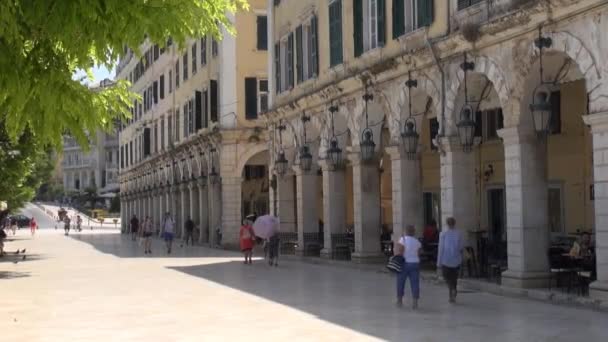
(599, 130)
(366, 193)
(306, 199)
(458, 188)
(203, 210)
(215, 214)
(407, 192)
(194, 208)
(286, 194)
(334, 205)
(526, 199)
(161, 208)
(185, 207)
(173, 199)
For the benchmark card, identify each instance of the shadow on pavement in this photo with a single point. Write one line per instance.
(12, 275)
(123, 246)
(358, 300)
(18, 258)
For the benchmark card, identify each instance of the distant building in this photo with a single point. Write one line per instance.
(96, 168)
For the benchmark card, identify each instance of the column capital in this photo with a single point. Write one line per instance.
(452, 143)
(597, 121)
(202, 182)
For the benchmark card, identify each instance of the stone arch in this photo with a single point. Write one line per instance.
(482, 65)
(258, 148)
(581, 55)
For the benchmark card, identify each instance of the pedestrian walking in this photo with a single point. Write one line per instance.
(449, 256)
(78, 223)
(246, 238)
(33, 226)
(147, 234)
(66, 225)
(189, 225)
(134, 227)
(168, 229)
(409, 247)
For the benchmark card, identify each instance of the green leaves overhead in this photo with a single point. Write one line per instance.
(44, 42)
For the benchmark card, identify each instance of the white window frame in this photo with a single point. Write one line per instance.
(410, 19)
(262, 94)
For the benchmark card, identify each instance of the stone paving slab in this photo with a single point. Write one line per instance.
(101, 287)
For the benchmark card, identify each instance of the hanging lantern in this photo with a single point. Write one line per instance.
(466, 128)
(214, 177)
(281, 163)
(367, 144)
(334, 153)
(305, 158)
(368, 147)
(409, 135)
(541, 104)
(409, 138)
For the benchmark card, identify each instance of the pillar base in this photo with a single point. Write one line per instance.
(525, 280)
(599, 290)
(367, 258)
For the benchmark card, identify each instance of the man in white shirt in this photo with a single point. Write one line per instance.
(409, 247)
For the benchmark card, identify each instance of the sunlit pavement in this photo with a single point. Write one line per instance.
(99, 286)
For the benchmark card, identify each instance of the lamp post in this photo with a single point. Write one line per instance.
(540, 107)
(334, 153)
(305, 156)
(466, 124)
(409, 135)
(367, 144)
(281, 162)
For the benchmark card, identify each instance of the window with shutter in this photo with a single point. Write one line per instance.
(314, 48)
(194, 65)
(203, 51)
(162, 133)
(214, 100)
(398, 18)
(170, 81)
(156, 52)
(185, 71)
(425, 13)
(381, 22)
(177, 74)
(262, 33)
(185, 123)
(335, 33)
(555, 124)
(177, 121)
(155, 92)
(251, 98)
(161, 82)
(205, 109)
(262, 96)
(358, 26)
(462, 4)
(290, 61)
(277, 68)
(299, 55)
(146, 142)
(198, 113)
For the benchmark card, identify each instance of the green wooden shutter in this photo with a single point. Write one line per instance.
(425, 13)
(398, 18)
(299, 55)
(381, 22)
(290, 61)
(251, 98)
(358, 26)
(314, 53)
(335, 32)
(277, 68)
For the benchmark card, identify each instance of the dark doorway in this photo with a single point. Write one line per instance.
(497, 234)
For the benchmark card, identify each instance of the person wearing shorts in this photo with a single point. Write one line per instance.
(168, 231)
(147, 234)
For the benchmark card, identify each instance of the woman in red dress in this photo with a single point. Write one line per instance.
(247, 238)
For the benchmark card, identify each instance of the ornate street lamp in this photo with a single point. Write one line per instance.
(466, 124)
(541, 104)
(281, 162)
(305, 156)
(334, 153)
(214, 177)
(409, 135)
(367, 145)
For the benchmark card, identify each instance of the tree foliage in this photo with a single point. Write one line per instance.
(44, 42)
(24, 165)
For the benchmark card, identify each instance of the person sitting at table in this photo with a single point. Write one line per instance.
(430, 233)
(582, 248)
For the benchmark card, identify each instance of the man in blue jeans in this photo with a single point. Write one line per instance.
(449, 255)
(409, 247)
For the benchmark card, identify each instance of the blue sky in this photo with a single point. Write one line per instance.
(99, 73)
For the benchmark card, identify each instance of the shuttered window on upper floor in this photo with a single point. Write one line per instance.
(410, 15)
(369, 25)
(203, 51)
(262, 29)
(335, 33)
